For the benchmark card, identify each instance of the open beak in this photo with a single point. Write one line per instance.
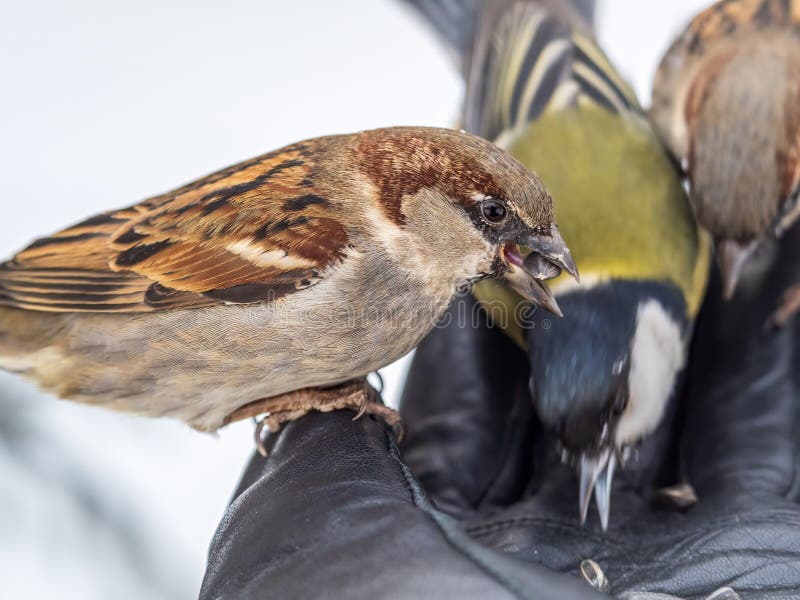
(548, 257)
(596, 474)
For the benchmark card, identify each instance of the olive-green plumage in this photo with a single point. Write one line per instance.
(619, 203)
(618, 197)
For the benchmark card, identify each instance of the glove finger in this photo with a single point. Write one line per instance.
(741, 399)
(334, 512)
(468, 413)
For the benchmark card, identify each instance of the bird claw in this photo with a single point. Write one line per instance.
(389, 416)
(273, 423)
(681, 496)
(361, 409)
(368, 396)
(356, 395)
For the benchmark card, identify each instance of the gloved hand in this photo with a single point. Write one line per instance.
(476, 505)
(334, 512)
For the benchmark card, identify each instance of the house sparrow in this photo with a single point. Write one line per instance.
(726, 100)
(602, 376)
(309, 266)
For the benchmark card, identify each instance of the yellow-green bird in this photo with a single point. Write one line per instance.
(539, 86)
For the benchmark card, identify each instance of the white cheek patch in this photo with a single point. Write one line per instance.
(657, 355)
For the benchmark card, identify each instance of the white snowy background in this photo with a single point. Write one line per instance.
(104, 103)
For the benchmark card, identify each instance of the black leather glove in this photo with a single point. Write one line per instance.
(733, 437)
(477, 506)
(334, 512)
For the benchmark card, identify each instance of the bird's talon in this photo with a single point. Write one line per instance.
(362, 409)
(389, 416)
(399, 430)
(355, 395)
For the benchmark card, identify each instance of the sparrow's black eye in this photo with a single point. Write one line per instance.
(493, 210)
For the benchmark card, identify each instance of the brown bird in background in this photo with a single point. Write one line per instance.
(309, 266)
(726, 99)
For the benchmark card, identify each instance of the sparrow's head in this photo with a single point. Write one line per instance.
(742, 114)
(472, 208)
(602, 376)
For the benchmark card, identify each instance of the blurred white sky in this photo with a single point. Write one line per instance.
(105, 103)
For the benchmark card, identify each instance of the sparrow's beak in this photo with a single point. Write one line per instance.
(731, 256)
(596, 474)
(548, 257)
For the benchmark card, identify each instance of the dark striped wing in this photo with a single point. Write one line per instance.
(250, 233)
(532, 57)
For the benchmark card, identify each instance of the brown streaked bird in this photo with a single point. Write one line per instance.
(726, 100)
(307, 267)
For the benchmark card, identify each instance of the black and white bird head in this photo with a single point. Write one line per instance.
(602, 376)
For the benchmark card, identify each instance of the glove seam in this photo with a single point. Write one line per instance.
(453, 535)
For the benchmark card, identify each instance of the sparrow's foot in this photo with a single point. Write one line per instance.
(789, 306)
(355, 395)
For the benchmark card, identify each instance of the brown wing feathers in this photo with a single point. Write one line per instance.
(253, 232)
(723, 18)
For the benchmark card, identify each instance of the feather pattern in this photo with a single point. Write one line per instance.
(531, 58)
(544, 90)
(362, 240)
(697, 56)
(736, 16)
(253, 232)
(726, 100)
